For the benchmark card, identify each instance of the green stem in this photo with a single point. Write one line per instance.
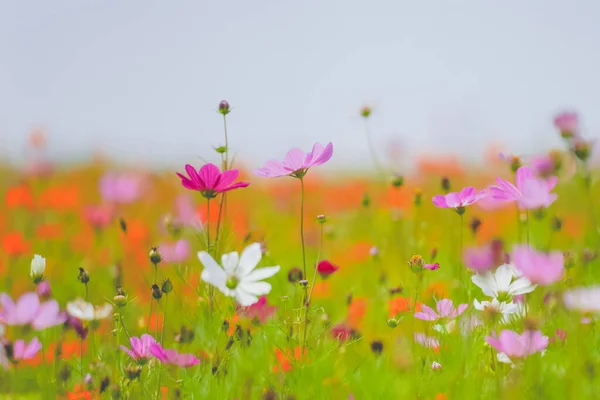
(149, 315)
(124, 327)
(216, 246)
(372, 149)
(226, 164)
(162, 336)
(527, 225)
(307, 300)
(86, 292)
(208, 225)
(302, 228)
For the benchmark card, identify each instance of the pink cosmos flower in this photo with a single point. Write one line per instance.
(512, 345)
(98, 216)
(259, 310)
(479, 259)
(583, 299)
(445, 309)
(530, 192)
(459, 200)
(427, 341)
(169, 356)
(120, 188)
(175, 252)
(567, 123)
(432, 267)
(539, 267)
(542, 165)
(29, 311)
(326, 268)
(209, 181)
(140, 348)
(296, 163)
(436, 366)
(23, 351)
(342, 332)
(43, 290)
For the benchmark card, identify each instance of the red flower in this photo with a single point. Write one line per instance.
(325, 268)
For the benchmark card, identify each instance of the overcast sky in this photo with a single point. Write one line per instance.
(142, 79)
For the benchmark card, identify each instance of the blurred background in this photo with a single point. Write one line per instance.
(140, 80)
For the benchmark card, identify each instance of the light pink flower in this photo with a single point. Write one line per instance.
(23, 351)
(29, 311)
(539, 267)
(120, 188)
(515, 346)
(530, 192)
(479, 259)
(542, 165)
(98, 216)
(445, 309)
(427, 341)
(169, 356)
(583, 299)
(436, 366)
(140, 348)
(209, 181)
(459, 200)
(175, 252)
(567, 122)
(296, 163)
(259, 310)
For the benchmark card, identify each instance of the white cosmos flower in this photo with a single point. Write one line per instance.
(38, 267)
(85, 311)
(238, 277)
(500, 284)
(508, 310)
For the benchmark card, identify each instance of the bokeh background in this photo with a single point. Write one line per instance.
(140, 80)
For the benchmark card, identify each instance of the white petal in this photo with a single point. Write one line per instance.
(504, 275)
(249, 260)
(503, 358)
(212, 272)
(244, 298)
(521, 286)
(480, 306)
(261, 273)
(487, 283)
(255, 288)
(230, 262)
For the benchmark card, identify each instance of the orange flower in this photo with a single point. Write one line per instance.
(356, 311)
(439, 290)
(440, 396)
(287, 360)
(13, 244)
(402, 304)
(80, 393)
(19, 196)
(49, 231)
(60, 198)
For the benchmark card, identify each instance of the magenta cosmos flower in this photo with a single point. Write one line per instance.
(511, 345)
(445, 309)
(172, 357)
(567, 123)
(459, 200)
(259, 311)
(29, 311)
(140, 348)
(209, 181)
(539, 267)
(326, 268)
(296, 163)
(530, 192)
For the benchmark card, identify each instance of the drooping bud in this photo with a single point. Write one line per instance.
(84, 276)
(167, 286)
(155, 256)
(38, 267)
(224, 107)
(156, 292)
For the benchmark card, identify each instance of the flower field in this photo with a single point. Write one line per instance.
(297, 281)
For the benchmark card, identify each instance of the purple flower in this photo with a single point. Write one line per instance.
(445, 309)
(459, 200)
(169, 356)
(176, 252)
(120, 188)
(209, 181)
(29, 311)
(140, 348)
(77, 325)
(22, 351)
(530, 192)
(539, 267)
(296, 163)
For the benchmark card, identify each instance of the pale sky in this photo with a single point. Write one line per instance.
(142, 79)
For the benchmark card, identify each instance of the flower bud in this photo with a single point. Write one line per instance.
(377, 347)
(133, 372)
(321, 219)
(167, 286)
(474, 225)
(104, 383)
(569, 259)
(556, 224)
(436, 366)
(418, 197)
(366, 200)
(84, 276)
(156, 292)
(392, 322)
(303, 283)
(43, 290)
(374, 251)
(295, 275)
(446, 184)
(123, 225)
(395, 290)
(397, 181)
(221, 149)
(155, 256)
(38, 267)
(64, 374)
(582, 149)
(120, 301)
(515, 164)
(416, 264)
(365, 111)
(224, 107)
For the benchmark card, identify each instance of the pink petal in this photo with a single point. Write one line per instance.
(209, 175)
(191, 171)
(129, 352)
(226, 179)
(440, 201)
(27, 308)
(294, 160)
(18, 349)
(32, 349)
(445, 308)
(426, 314)
(524, 174)
(467, 194)
(48, 315)
(320, 155)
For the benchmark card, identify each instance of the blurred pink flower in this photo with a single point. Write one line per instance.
(140, 348)
(259, 310)
(432, 267)
(169, 356)
(459, 200)
(342, 332)
(479, 259)
(175, 252)
(583, 299)
(98, 216)
(435, 366)
(120, 188)
(326, 268)
(539, 267)
(186, 212)
(296, 163)
(210, 181)
(23, 351)
(445, 309)
(567, 123)
(530, 192)
(512, 345)
(427, 341)
(29, 311)
(542, 165)
(43, 290)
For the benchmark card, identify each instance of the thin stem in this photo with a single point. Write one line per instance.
(460, 249)
(307, 301)
(527, 225)
(124, 327)
(219, 224)
(302, 227)
(162, 336)
(518, 224)
(208, 225)
(226, 163)
(157, 310)
(81, 356)
(149, 316)
(86, 291)
(372, 149)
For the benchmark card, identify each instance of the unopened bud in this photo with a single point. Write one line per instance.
(474, 225)
(418, 198)
(133, 372)
(303, 283)
(156, 292)
(569, 258)
(84, 276)
(224, 107)
(120, 301)
(64, 374)
(392, 322)
(321, 219)
(155, 256)
(104, 383)
(295, 275)
(556, 224)
(397, 181)
(221, 149)
(446, 184)
(123, 225)
(377, 347)
(582, 149)
(366, 200)
(167, 286)
(515, 164)
(365, 111)
(416, 264)
(43, 290)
